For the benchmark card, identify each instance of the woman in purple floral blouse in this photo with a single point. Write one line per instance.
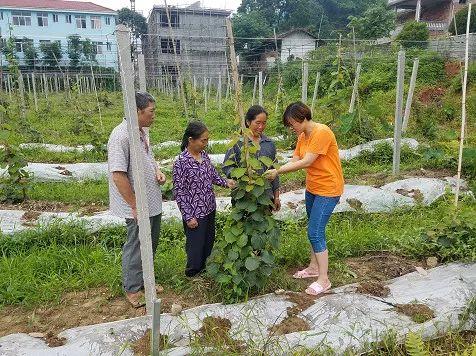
(193, 178)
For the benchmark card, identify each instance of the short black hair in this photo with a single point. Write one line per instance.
(297, 111)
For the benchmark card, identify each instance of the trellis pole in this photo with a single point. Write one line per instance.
(314, 94)
(397, 131)
(141, 68)
(130, 111)
(33, 84)
(177, 65)
(305, 76)
(219, 91)
(463, 106)
(355, 91)
(411, 90)
(260, 88)
(254, 90)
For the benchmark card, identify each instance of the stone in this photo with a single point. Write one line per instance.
(432, 262)
(176, 309)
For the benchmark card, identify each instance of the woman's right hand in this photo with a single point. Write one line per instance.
(192, 223)
(271, 174)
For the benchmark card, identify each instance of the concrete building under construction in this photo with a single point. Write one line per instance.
(200, 40)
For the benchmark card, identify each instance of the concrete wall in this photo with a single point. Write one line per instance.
(454, 46)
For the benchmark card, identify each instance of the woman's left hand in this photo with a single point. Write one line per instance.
(271, 174)
(277, 204)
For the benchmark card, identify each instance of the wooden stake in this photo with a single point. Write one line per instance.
(254, 90)
(141, 68)
(463, 106)
(35, 97)
(305, 75)
(355, 91)
(314, 94)
(177, 65)
(260, 88)
(397, 133)
(219, 92)
(130, 110)
(410, 95)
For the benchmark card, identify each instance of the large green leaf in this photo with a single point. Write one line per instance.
(238, 172)
(251, 263)
(268, 162)
(242, 241)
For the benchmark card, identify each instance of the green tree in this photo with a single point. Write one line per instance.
(461, 18)
(30, 52)
(89, 51)
(74, 50)
(52, 53)
(413, 34)
(247, 26)
(132, 19)
(9, 50)
(376, 22)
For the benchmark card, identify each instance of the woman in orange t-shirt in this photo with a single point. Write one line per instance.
(317, 152)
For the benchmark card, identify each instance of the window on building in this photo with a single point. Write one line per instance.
(80, 21)
(174, 19)
(20, 44)
(98, 47)
(21, 18)
(108, 46)
(108, 20)
(68, 19)
(42, 19)
(55, 17)
(167, 46)
(95, 22)
(462, 1)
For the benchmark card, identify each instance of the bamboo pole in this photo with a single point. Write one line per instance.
(177, 64)
(254, 90)
(314, 94)
(411, 90)
(463, 107)
(355, 91)
(397, 133)
(260, 88)
(305, 76)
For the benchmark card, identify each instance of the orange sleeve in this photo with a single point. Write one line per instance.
(320, 142)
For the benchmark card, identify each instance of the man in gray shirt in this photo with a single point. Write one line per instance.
(122, 199)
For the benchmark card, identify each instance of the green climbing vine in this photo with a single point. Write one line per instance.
(244, 258)
(13, 185)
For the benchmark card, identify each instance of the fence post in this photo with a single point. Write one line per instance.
(305, 75)
(260, 88)
(314, 94)
(130, 111)
(141, 67)
(35, 98)
(355, 91)
(397, 130)
(411, 90)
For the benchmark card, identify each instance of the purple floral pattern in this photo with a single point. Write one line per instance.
(193, 185)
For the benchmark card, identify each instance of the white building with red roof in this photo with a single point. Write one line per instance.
(41, 21)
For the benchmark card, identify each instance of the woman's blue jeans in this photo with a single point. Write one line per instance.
(319, 210)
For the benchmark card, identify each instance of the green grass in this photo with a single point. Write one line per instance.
(37, 266)
(80, 193)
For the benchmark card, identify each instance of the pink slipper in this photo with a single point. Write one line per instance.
(316, 289)
(304, 274)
